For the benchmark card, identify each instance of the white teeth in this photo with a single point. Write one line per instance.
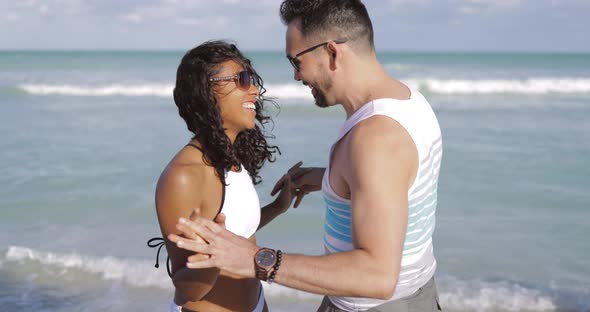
(249, 105)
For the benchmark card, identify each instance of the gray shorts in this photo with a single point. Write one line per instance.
(425, 299)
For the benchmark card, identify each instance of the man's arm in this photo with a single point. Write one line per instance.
(382, 168)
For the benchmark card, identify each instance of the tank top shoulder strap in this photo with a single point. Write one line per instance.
(195, 146)
(361, 114)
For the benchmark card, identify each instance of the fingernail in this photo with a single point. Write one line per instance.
(182, 220)
(180, 243)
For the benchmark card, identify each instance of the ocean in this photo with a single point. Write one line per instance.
(84, 137)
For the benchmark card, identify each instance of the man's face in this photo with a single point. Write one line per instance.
(307, 67)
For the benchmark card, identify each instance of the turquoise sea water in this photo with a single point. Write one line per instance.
(85, 135)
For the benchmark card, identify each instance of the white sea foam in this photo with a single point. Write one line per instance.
(289, 91)
(155, 89)
(532, 86)
(487, 296)
(135, 272)
(454, 294)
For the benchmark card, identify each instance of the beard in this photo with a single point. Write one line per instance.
(320, 99)
(319, 95)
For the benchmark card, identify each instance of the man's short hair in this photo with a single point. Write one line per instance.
(345, 19)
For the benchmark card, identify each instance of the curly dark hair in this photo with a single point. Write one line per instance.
(346, 19)
(195, 99)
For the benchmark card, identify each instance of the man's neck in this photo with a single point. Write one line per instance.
(366, 82)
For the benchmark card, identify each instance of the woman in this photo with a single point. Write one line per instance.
(220, 97)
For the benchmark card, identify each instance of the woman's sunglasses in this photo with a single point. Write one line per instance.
(243, 79)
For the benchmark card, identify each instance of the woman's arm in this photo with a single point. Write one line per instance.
(291, 185)
(181, 189)
(269, 212)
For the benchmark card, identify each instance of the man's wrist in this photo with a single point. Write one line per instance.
(254, 251)
(265, 260)
(275, 268)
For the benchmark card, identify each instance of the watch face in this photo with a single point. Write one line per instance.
(265, 258)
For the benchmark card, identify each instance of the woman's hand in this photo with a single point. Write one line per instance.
(298, 182)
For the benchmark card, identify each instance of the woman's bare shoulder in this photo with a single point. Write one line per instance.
(186, 183)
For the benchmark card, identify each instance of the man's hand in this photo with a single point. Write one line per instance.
(187, 233)
(219, 248)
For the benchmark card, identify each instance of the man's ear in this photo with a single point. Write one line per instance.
(334, 54)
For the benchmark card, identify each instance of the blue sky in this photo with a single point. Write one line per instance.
(400, 25)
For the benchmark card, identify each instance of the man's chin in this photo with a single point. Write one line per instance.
(321, 104)
(320, 101)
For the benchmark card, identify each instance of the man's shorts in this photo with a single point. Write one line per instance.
(425, 299)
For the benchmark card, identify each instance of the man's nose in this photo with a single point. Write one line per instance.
(296, 75)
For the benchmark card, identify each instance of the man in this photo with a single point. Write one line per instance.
(380, 186)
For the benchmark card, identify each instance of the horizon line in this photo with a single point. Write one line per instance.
(280, 51)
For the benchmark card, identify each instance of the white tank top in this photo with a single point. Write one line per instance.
(241, 205)
(418, 263)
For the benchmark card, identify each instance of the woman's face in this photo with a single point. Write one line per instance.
(237, 105)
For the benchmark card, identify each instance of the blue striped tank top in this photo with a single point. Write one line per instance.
(418, 263)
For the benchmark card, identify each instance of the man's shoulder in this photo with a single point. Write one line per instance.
(377, 129)
(379, 139)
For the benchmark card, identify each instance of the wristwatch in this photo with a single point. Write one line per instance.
(264, 261)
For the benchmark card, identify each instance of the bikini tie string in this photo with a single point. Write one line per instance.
(158, 242)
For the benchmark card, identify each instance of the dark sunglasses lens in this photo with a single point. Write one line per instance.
(294, 64)
(245, 79)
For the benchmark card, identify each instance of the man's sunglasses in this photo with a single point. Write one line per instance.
(243, 79)
(295, 62)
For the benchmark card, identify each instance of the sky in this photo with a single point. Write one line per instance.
(400, 25)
